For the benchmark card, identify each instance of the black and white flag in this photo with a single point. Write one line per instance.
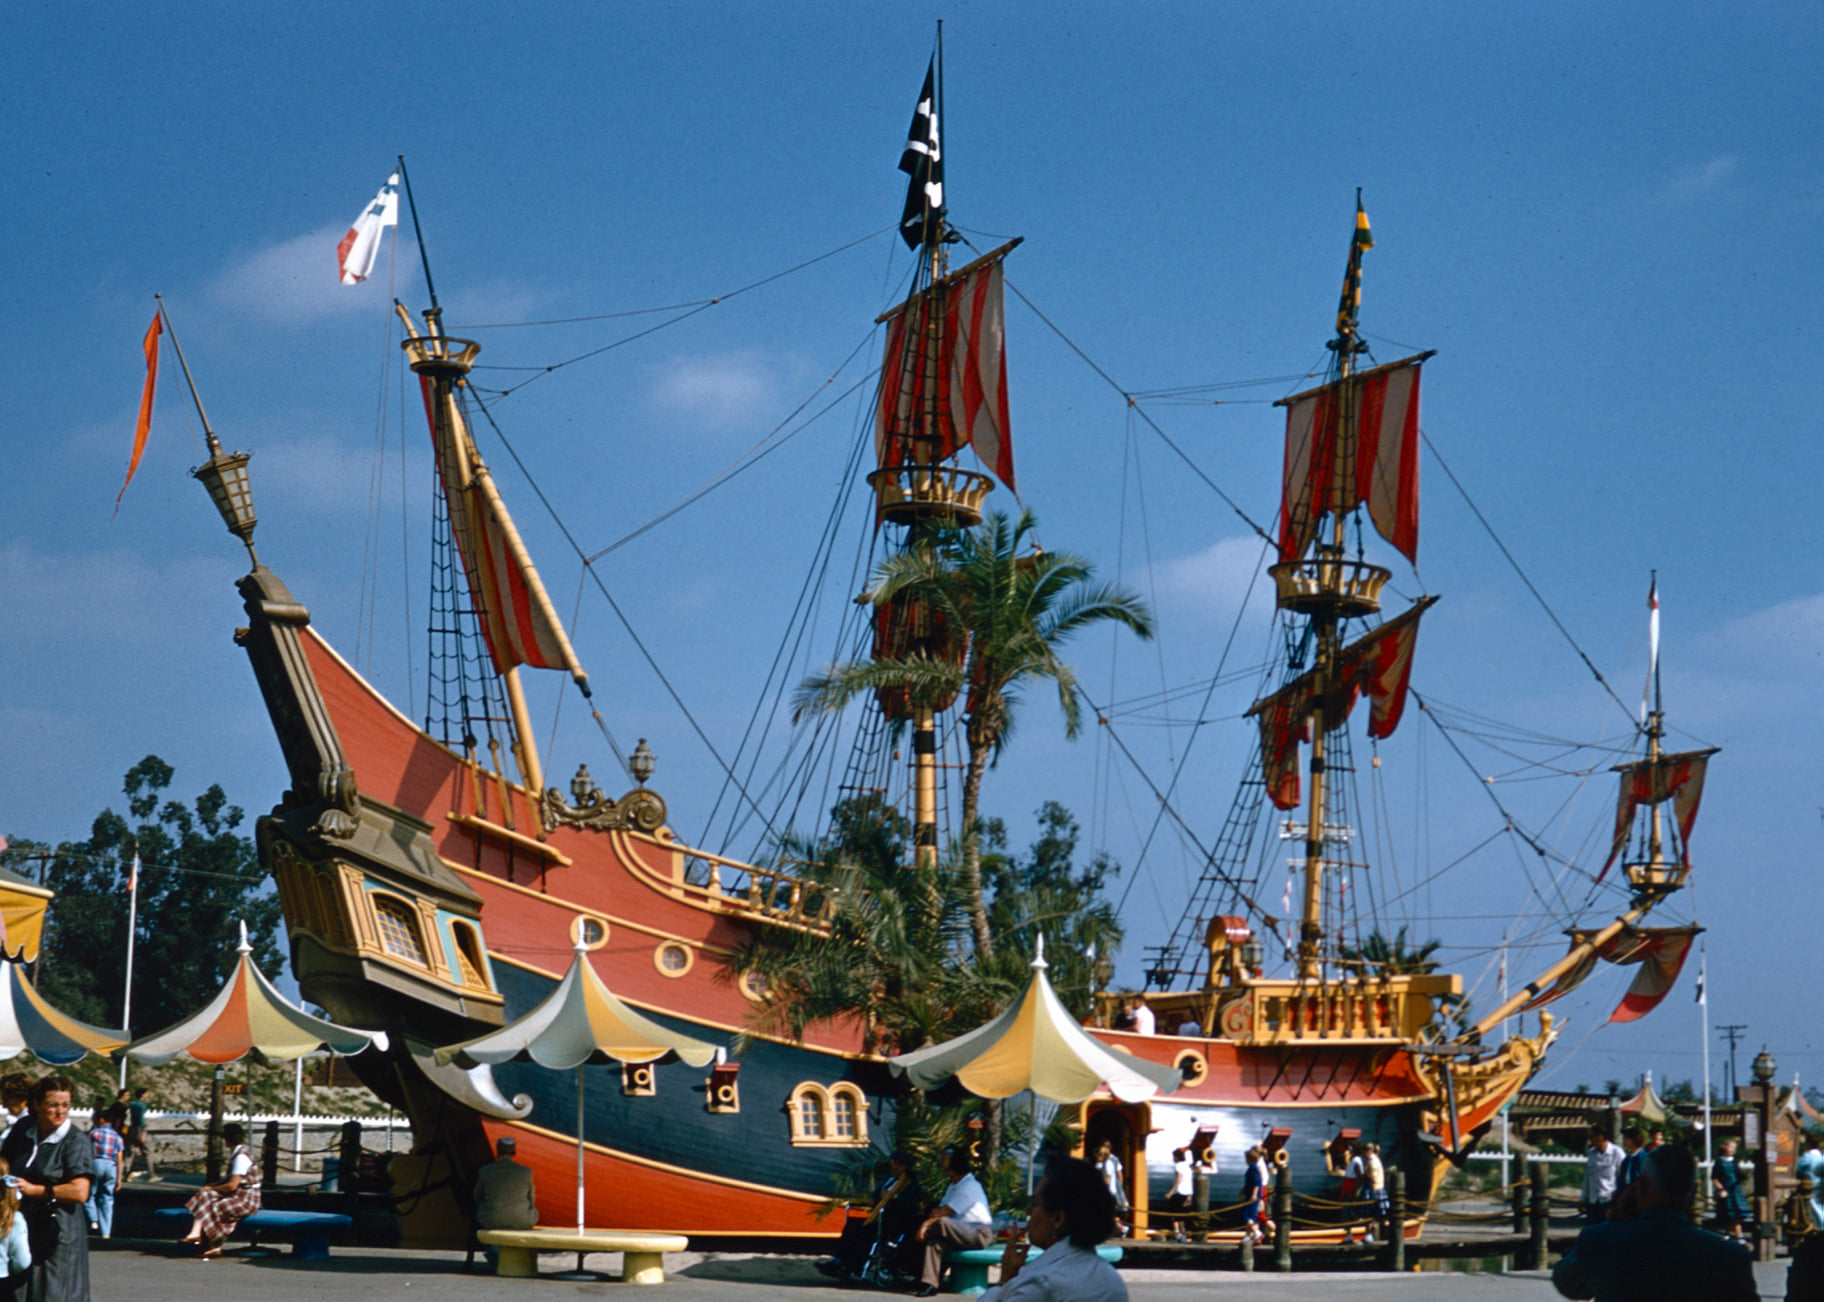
(923, 220)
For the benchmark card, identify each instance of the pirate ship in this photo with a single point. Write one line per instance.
(434, 883)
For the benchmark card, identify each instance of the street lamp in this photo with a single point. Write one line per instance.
(1104, 971)
(1763, 1067)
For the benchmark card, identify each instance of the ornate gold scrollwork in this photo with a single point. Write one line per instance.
(639, 810)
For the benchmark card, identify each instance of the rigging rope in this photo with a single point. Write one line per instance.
(702, 305)
(1537, 596)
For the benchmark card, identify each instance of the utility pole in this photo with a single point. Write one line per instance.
(1731, 1034)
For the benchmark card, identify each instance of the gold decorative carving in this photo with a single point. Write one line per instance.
(639, 810)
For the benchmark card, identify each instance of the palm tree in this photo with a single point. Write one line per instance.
(1016, 611)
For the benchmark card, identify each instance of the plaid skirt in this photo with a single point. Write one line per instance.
(218, 1213)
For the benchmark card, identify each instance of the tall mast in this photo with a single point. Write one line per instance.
(1332, 600)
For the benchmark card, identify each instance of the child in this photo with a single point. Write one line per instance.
(15, 1250)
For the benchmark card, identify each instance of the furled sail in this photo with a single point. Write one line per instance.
(943, 378)
(1660, 952)
(1352, 441)
(1679, 778)
(1377, 665)
(517, 618)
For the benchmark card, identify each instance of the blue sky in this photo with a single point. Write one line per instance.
(1604, 218)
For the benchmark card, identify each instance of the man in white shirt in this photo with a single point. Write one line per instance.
(1144, 1021)
(1072, 1211)
(960, 1220)
(1602, 1164)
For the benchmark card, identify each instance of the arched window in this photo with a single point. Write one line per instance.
(836, 1117)
(399, 934)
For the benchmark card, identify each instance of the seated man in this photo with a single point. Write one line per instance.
(1650, 1252)
(1072, 1211)
(503, 1194)
(960, 1220)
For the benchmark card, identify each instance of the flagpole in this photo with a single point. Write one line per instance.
(1703, 1004)
(195, 397)
(417, 232)
(126, 1001)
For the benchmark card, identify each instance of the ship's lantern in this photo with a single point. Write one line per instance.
(641, 763)
(225, 476)
(1763, 1068)
(1104, 968)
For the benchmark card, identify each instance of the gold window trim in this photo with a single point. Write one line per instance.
(825, 1111)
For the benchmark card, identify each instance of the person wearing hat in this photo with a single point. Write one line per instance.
(503, 1192)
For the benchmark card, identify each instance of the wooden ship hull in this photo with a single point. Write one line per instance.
(427, 896)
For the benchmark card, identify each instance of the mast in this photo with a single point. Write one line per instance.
(519, 623)
(1327, 606)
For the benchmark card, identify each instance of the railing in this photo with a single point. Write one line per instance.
(772, 893)
(914, 492)
(1349, 588)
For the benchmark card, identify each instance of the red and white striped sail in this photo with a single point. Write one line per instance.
(1341, 452)
(943, 377)
(517, 618)
(1679, 778)
(1378, 666)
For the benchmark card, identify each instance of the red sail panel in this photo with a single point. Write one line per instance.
(1661, 958)
(1378, 666)
(1678, 778)
(517, 618)
(1339, 457)
(943, 377)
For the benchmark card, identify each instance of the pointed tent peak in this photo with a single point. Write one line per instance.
(1646, 1104)
(1038, 953)
(246, 946)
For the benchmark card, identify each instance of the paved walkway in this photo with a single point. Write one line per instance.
(144, 1272)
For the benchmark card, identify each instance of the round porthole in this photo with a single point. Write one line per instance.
(1192, 1067)
(673, 959)
(588, 931)
(753, 985)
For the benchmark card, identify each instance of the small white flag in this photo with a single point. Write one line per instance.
(1703, 964)
(1646, 694)
(359, 248)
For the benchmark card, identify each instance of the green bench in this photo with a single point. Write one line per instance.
(969, 1266)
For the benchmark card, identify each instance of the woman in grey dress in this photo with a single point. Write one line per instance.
(53, 1161)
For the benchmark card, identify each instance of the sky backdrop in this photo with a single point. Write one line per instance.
(1604, 218)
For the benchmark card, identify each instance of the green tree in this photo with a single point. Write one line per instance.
(1017, 612)
(1044, 893)
(198, 879)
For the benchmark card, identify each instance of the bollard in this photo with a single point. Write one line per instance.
(1518, 1193)
(1539, 1254)
(1282, 1222)
(1247, 1255)
(349, 1165)
(1200, 1203)
(212, 1153)
(269, 1156)
(1396, 1219)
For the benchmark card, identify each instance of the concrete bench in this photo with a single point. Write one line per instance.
(969, 1266)
(643, 1253)
(308, 1232)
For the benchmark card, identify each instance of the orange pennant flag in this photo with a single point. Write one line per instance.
(153, 331)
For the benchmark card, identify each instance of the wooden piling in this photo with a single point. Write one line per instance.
(1539, 1251)
(1395, 1228)
(1282, 1223)
(1518, 1193)
(1200, 1204)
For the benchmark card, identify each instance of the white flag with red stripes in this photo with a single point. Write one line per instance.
(356, 254)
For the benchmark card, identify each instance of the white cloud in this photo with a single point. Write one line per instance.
(1699, 180)
(1209, 585)
(719, 391)
(296, 281)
